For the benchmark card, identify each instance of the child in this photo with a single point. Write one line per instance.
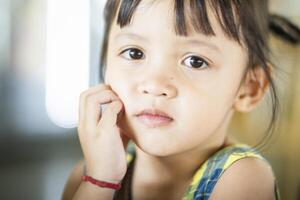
(175, 73)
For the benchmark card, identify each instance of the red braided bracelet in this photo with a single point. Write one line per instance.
(101, 183)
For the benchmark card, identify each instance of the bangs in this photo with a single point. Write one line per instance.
(195, 12)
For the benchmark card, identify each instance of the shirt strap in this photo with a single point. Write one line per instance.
(209, 173)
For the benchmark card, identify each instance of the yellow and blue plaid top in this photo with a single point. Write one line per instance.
(210, 171)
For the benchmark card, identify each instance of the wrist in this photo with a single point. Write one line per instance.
(102, 183)
(113, 178)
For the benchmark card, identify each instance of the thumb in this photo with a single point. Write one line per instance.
(125, 139)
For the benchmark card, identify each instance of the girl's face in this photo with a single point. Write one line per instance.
(193, 79)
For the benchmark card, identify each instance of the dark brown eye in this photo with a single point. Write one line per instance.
(195, 62)
(133, 53)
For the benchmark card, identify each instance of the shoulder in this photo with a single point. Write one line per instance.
(247, 178)
(73, 181)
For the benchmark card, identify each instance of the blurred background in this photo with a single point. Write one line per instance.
(37, 154)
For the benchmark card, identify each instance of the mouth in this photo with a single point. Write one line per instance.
(154, 118)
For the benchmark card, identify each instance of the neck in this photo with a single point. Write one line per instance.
(182, 166)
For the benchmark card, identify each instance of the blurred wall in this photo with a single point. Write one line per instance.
(36, 155)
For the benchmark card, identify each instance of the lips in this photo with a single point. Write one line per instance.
(154, 118)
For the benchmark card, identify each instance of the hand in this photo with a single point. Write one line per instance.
(102, 142)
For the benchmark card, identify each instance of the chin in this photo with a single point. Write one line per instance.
(156, 148)
(155, 141)
(155, 151)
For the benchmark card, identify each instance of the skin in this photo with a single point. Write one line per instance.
(201, 102)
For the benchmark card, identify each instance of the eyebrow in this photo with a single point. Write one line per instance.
(183, 41)
(197, 42)
(130, 35)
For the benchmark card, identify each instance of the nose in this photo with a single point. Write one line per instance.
(158, 86)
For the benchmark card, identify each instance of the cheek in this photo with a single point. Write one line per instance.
(120, 84)
(202, 114)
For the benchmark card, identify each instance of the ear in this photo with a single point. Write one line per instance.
(253, 89)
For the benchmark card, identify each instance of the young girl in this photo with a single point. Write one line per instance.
(175, 72)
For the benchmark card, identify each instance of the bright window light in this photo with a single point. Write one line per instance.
(67, 58)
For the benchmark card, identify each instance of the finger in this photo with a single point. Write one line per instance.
(88, 92)
(110, 115)
(92, 110)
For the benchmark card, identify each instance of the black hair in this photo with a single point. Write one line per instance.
(247, 22)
